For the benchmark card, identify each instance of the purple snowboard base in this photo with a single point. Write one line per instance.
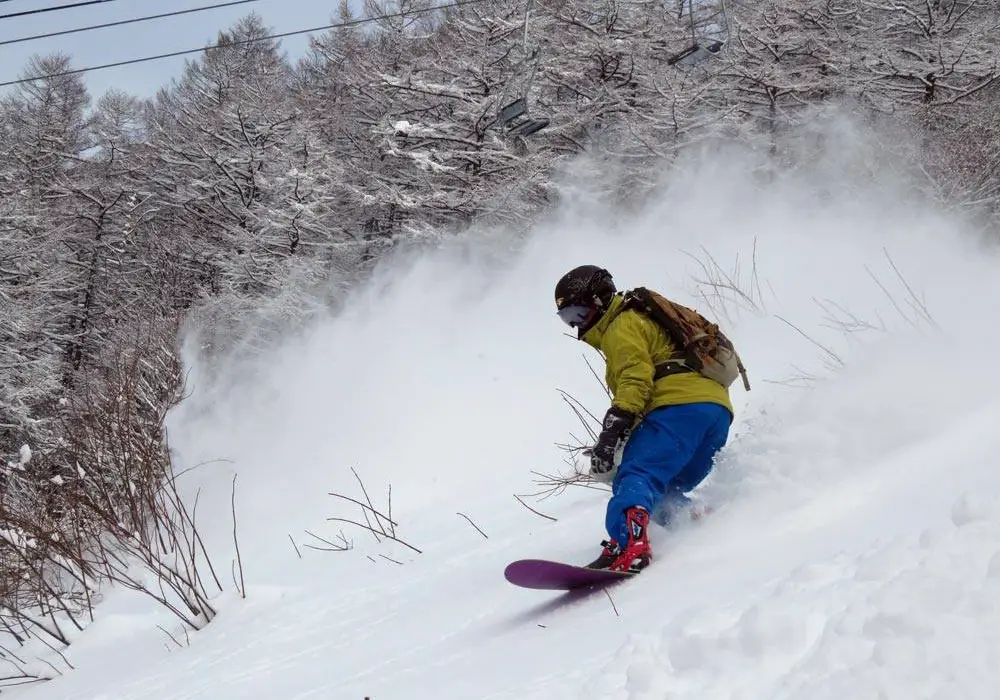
(556, 576)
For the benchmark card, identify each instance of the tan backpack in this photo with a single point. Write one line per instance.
(701, 346)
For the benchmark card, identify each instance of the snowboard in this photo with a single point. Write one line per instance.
(548, 575)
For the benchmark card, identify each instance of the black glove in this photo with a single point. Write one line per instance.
(616, 426)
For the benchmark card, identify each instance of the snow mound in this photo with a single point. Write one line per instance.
(894, 621)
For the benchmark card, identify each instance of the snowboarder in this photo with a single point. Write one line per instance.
(671, 419)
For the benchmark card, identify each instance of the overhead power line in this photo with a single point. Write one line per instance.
(282, 35)
(119, 23)
(54, 8)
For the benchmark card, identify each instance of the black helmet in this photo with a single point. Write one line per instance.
(582, 296)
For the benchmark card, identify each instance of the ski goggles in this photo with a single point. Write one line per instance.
(574, 316)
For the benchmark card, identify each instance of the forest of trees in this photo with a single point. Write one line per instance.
(252, 176)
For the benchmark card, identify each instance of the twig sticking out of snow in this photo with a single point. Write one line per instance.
(379, 524)
(473, 524)
(295, 545)
(241, 585)
(612, 601)
(342, 546)
(547, 517)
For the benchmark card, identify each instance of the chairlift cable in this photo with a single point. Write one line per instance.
(282, 35)
(124, 21)
(54, 8)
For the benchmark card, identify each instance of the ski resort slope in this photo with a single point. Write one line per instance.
(854, 552)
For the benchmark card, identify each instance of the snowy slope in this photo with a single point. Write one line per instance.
(855, 552)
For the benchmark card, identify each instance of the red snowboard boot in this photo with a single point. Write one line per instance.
(636, 555)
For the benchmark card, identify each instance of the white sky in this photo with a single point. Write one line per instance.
(145, 38)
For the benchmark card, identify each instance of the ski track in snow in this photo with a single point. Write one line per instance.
(854, 552)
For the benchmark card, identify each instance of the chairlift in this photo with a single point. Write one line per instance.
(701, 48)
(696, 53)
(513, 118)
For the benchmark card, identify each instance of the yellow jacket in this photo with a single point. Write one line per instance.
(632, 345)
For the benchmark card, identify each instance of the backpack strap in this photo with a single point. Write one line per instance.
(670, 368)
(640, 300)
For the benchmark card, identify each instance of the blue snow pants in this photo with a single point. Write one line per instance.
(670, 452)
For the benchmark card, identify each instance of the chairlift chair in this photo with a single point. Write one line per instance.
(514, 119)
(703, 47)
(698, 52)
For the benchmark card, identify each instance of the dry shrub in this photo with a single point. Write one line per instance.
(102, 507)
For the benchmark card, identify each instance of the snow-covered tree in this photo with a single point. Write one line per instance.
(915, 52)
(248, 178)
(44, 128)
(219, 138)
(938, 62)
(782, 60)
